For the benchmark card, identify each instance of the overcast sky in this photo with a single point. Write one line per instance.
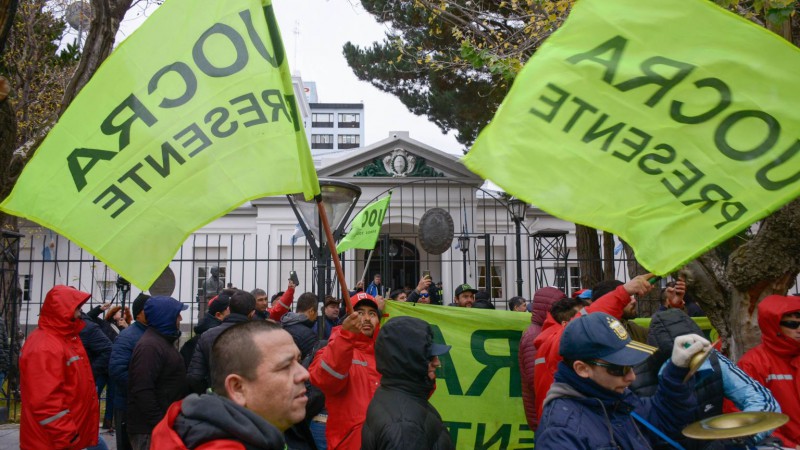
(316, 53)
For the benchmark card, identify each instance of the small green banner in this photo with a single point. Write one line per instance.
(191, 116)
(671, 123)
(478, 388)
(366, 226)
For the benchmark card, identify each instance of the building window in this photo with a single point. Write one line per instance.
(349, 141)
(497, 281)
(108, 289)
(321, 141)
(322, 120)
(25, 282)
(574, 279)
(349, 120)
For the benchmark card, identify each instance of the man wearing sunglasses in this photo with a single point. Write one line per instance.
(775, 362)
(590, 406)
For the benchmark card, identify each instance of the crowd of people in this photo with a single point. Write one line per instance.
(258, 375)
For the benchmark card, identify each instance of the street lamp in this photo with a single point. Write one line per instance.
(463, 245)
(339, 199)
(518, 209)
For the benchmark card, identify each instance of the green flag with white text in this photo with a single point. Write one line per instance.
(671, 123)
(191, 116)
(366, 226)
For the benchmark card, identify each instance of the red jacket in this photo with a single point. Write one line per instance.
(345, 371)
(543, 300)
(775, 363)
(547, 356)
(59, 398)
(165, 438)
(283, 306)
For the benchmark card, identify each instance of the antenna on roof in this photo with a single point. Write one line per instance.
(296, 32)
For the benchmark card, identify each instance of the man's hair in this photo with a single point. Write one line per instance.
(516, 301)
(276, 296)
(232, 352)
(257, 292)
(395, 293)
(604, 287)
(307, 300)
(242, 302)
(563, 310)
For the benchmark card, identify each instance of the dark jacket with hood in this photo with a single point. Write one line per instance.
(121, 352)
(300, 328)
(400, 415)
(206, 323)
(580, 414)
(157, 376)
(198, 375)
(97, 346)
(59, 398)
(208, 422)
(543, 300)
(775, 363)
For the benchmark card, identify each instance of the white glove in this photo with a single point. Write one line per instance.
(687, 346)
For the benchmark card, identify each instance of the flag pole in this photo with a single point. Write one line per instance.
(332, 247)
(366, 267)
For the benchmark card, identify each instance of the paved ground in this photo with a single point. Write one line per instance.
(9, 437)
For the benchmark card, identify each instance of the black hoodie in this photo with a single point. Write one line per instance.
(399, 415)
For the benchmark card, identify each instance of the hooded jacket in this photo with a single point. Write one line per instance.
(547, 356)
(580, 414)
(400, 415)
(717, 378)
(59, 398)
(299, 327)
(157, 375)
(97, 346)
(121, 352)
(198, 375)
(775, 363)
(543, 300)
(208, 422)
(345, 371)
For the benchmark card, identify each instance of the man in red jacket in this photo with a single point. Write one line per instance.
(59, 399)
(547, 343)
(345, 372)
(775, 362)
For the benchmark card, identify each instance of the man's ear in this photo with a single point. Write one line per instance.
(582, 369)
(236, 389)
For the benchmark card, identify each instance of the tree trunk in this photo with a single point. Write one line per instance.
(608, 256)
(588, 247)
(8, 9)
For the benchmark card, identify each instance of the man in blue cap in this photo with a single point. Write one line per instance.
(590, 406)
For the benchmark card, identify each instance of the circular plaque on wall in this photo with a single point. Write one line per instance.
(436, 231)
(164, 284)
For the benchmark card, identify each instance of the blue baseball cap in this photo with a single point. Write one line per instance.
(601, 336)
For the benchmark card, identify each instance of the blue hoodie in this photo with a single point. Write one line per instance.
(162, 314)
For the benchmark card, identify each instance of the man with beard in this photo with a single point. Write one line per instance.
(345, 372)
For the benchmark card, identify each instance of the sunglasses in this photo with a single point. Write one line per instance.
(790, 324)
(612, 369)
(424, 295)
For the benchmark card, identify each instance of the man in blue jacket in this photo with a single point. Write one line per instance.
(590, 406)
(121, 352)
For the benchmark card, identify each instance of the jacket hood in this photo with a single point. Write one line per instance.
(291, 318)
(770, 311)
(665, 326)
(162, 313)
(543, 300)
(205, 418)
(401, 353)
(58, 311)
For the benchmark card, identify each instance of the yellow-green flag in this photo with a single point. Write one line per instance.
(366, 226)
(671, 123)
(478, 388)
(191, 116)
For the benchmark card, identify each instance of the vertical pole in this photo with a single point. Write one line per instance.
(519, 259)
(487, 256)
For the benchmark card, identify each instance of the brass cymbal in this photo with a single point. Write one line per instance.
(697, 360)
(726, 426)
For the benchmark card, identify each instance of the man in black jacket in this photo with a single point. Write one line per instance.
(242, 306)
(157, 376)
(300, 323)
(399, 415)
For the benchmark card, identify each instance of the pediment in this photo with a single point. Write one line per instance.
(394, 159)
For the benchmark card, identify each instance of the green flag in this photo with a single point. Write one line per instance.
(671, 123)
(191, 116)
(478, 388)
(366, 226)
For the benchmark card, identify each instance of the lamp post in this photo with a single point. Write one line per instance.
(339, 199)
(463, 245)
(518, 209)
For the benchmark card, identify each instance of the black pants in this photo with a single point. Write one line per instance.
(121, 425)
